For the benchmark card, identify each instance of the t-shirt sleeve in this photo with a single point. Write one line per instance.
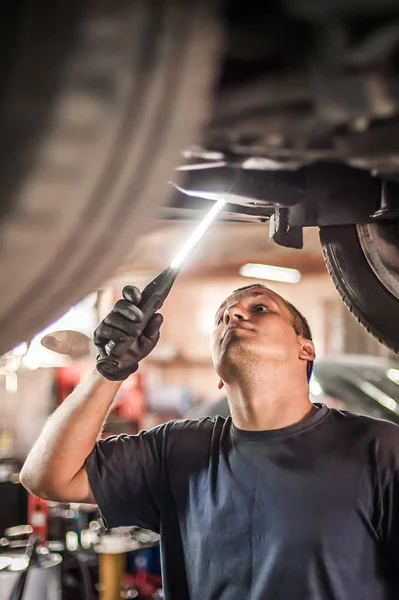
(125, 477)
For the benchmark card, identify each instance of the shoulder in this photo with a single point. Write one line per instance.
(352, 419)
(194, 435)
(190, 443)
(184, 429)
(384, 434)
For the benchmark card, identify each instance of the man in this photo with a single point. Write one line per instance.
(284, 501)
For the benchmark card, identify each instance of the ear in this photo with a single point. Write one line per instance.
(220, 384)
(306, 350)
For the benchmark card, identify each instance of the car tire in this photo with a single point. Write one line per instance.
(363, 262)
(98, 99)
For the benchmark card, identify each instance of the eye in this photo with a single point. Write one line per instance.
(260, 308)
(219, 319)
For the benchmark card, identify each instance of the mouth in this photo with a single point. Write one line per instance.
(237, 325)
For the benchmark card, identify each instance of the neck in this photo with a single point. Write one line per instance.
(271, 401)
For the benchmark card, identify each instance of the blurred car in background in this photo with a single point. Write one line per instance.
(366, 385)
(291, 109)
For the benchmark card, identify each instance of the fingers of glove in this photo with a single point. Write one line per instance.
(132, 294)
(107, 333)
(124, 325)
(149, 339)
(128, 310)
(152, 329)
(146, 346)
(112, 342)
(120, 374)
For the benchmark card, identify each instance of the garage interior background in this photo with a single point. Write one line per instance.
(175, 377)
(181, 364)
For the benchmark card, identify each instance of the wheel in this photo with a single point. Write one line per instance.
(363, 261)
(98, 99)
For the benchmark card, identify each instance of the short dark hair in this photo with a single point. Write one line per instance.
(299, 322)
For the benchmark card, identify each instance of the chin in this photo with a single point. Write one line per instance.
(239, 351)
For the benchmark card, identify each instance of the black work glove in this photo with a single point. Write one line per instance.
(126, 320)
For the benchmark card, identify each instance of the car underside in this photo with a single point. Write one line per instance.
(304, 133)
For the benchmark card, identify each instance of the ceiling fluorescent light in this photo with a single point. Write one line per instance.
(258, 271)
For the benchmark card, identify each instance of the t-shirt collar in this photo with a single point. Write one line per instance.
(311, 421)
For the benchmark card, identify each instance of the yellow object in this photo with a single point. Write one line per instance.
(112, 567)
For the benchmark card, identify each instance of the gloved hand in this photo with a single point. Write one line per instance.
(126, 320)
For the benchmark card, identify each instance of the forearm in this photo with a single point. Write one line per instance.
(68, 437)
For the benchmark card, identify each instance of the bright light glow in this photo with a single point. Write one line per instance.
(381, 397)
(214, 165)
(12, 364)
(199, 232)
(5, 562)
(393, 375)
(259, 271)
(21, 349)
(315, 387)
(81, 318)
(12, 383)
(198, 193)
(19, 564)
(39, 357)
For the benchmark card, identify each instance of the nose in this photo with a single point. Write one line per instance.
(234, 313)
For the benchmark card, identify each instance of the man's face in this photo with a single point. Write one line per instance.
(252, 325)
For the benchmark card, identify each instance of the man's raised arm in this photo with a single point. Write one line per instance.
(55, 467)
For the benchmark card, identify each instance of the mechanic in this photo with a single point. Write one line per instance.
(286, 500)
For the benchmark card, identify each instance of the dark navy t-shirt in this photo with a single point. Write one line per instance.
(308, 512)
